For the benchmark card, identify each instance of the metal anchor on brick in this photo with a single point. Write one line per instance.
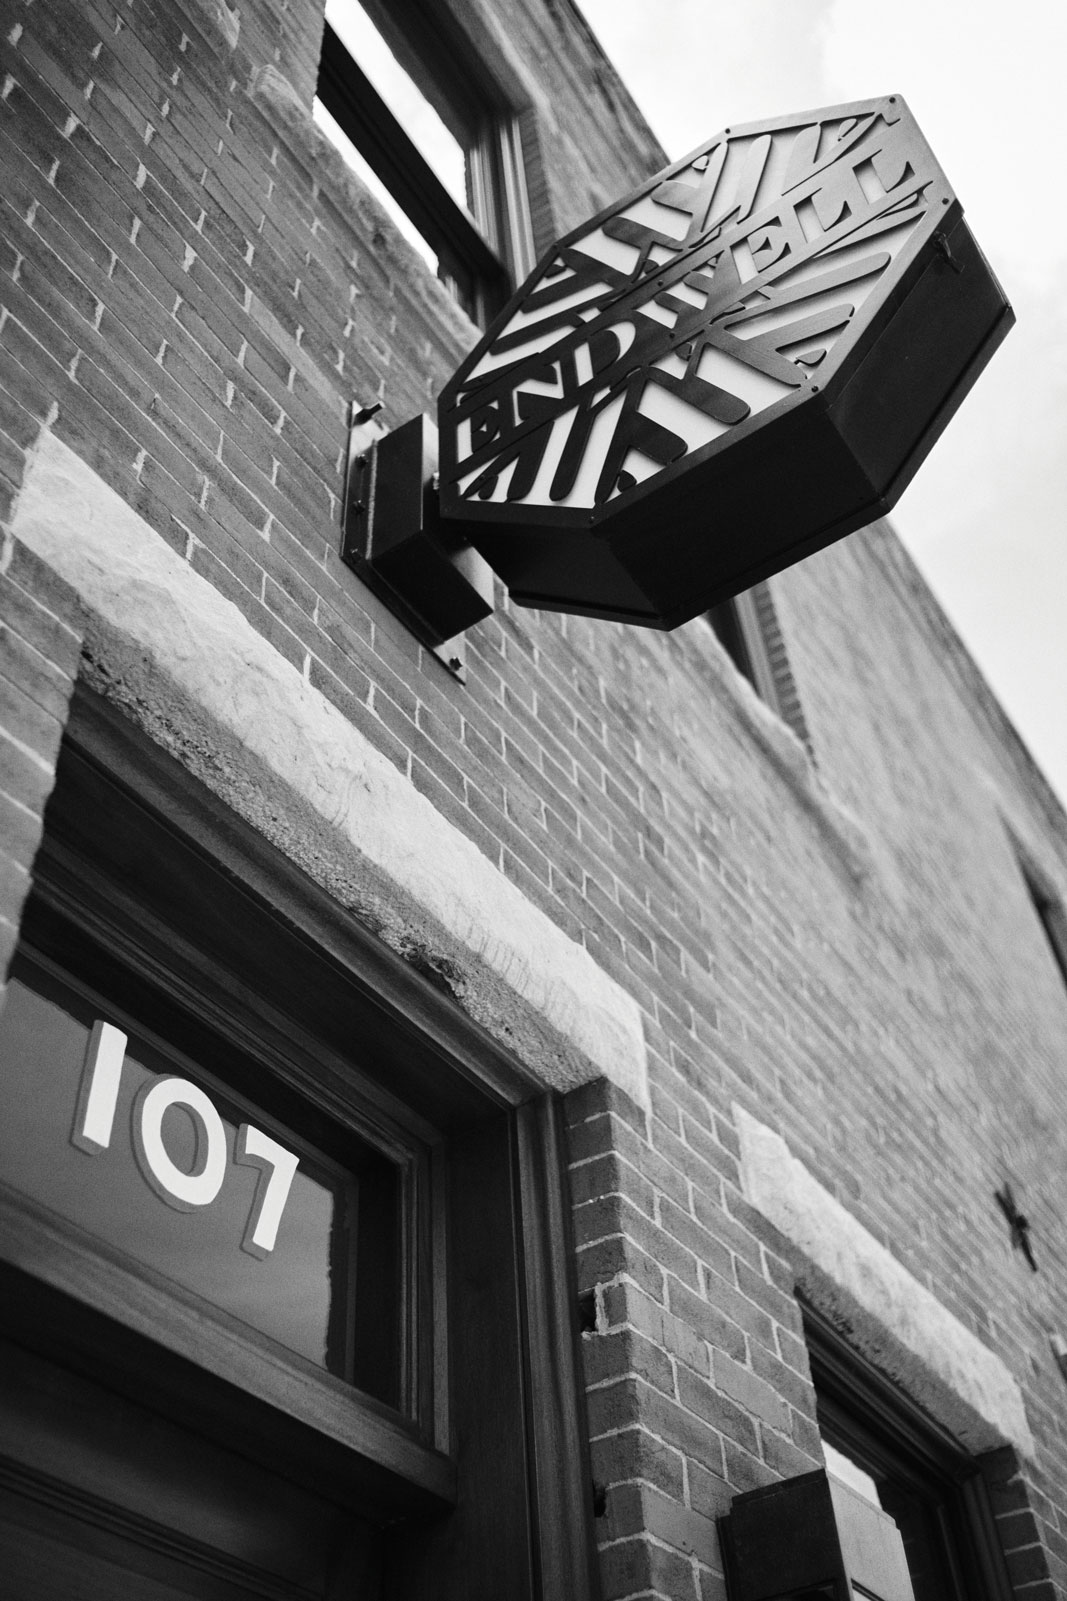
(1018, 1224)
(394, 538)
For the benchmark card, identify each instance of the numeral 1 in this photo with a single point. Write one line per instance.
(99, 1091)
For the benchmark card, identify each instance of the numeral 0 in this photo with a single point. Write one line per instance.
(95, 1119)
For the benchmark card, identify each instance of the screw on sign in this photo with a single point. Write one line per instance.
(94, 1124)
(742, 361)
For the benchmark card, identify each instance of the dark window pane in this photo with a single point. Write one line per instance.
(726, 626)
(433, 128)
(194, 1183)
(1054, 922)
(925, 1541)
(337, 136)
(918, 1514)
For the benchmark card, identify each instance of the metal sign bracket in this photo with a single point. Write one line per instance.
(425, 572)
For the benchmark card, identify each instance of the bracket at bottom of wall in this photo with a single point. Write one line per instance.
(395, 541)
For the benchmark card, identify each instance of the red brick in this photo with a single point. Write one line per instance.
(55, 641)
(623, 1352)
(634, 1567)
(609, 1175)
(623, 1303)
(608, 1259)
(24, 777)
(33, 695)
(633, 1509)
(20, 827)
(634, 1454)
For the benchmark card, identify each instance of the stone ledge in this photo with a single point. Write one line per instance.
(191, 671)
(894, 1320)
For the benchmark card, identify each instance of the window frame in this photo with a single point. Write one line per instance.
(735, 625)
(135, 852)
(76, 906)
(485, 252)
(1052, 917)
(748, 629)
(261, 1073)
(865, 1415)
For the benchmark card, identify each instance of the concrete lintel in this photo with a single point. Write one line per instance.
(220, 21)
(893, 1319)
(190, 669)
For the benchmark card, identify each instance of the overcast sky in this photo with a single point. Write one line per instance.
(985, 516)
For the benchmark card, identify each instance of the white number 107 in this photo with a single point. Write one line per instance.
(95, 1119)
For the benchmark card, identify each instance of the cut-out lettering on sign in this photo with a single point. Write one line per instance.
(184, 1189)
(738, 363)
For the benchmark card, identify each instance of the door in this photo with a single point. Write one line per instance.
(102, 1496)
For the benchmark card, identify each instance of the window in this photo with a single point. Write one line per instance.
(887, 1449)
(748, 630)
(280, 1224)
(1053, 920)
(403, 95)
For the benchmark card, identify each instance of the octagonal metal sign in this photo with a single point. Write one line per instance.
(742, 361)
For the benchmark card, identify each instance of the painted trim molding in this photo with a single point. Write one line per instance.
(893, 1319)
(188, 668)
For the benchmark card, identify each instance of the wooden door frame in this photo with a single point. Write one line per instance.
(133, 846)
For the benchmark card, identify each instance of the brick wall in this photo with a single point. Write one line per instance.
(192, 293)
(40, 642)
(697, 1374)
